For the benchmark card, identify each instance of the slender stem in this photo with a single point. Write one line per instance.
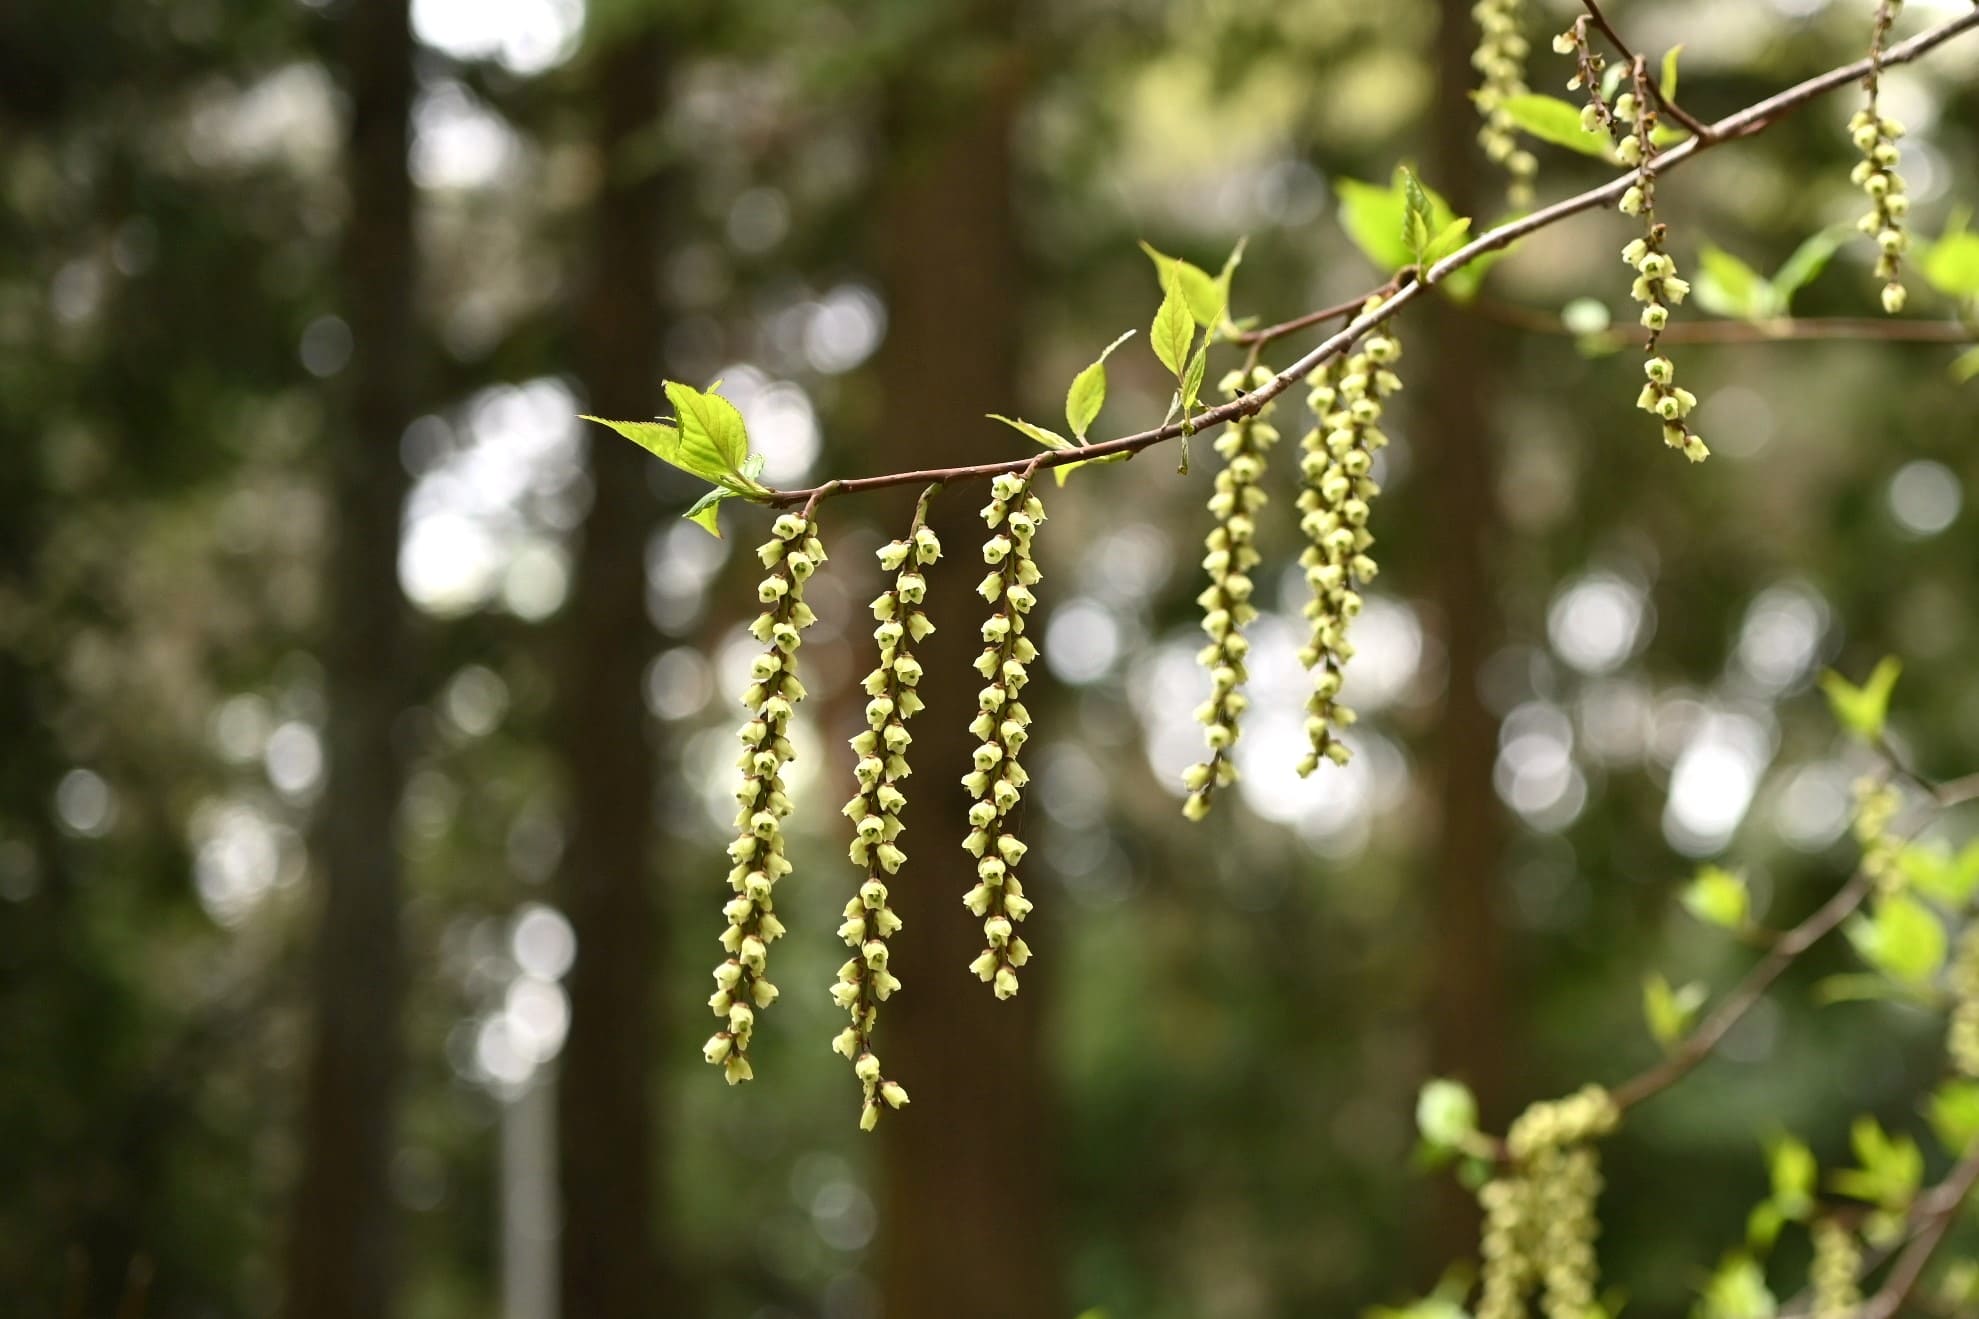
(1754, 119)
(1670, 107)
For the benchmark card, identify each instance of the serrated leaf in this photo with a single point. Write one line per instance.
(1375, 218)
(1669, 1012)
(1863, 710)
(1667, 84)
(1446, 1113)
(1727, 286)
(659, 438)
(1952, 265)
(1448, 239)
(1088, 392)
(1953, 1112)
(1203, 294)
(1805, 265)
(1718, 897)
(1902, 938)
(1551, 119)
(711, 429)
(1050, 439)
(1192, 377)
(706, 509)
(1173, 330)
(1415, 216)
(1965, 367)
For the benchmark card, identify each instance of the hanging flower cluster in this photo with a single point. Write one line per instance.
(1336, 471)
(742, 987)
(1003, 724)
(1876, 806)
(1875, 135)
(1540, 1223)
(1500, 57)
(865, 981)
(1230, 552)
(1630, 123)
(1836, 1270)
(1962, 1040)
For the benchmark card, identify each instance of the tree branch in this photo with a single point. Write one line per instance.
(1754, 119)
(1669, 106)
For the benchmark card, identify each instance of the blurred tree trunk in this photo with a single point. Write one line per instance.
(341, 1261)
(967, 1191)
(1469, 1035)
(607, 1120)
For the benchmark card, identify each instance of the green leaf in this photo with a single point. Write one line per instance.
(1446, 1113)
(1668, 83)
(1174, 329)
(1372, 217)
(1718, 897)
(1668, 1011)
(1762, 1226)
(1863, 710)
(1064, 470)
(1952, 265)
(705, 509)
(1203, 294)
(1192, 377)
(1936, 872)
(1862, 987)
(1415, 216)
(1805, 265)
(1088, 392)
(659, 438)
(1794, 1174)
(1729, 287)
(711, 430)
(1737, 1290)
(1904, 939)
(1448, 239)
(1551, 119)
(1050, 439)
(1892, 1167)
(1953, 1111)
(1225, 276)
(1965, 367)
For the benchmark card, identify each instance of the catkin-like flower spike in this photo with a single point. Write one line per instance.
(1876, 807)
(1657, 285)
(1338, 489)
(1595, 116)
(867, 980)
(1962, 1040)
(1500, 59)
(1836, 1273)
(1875, 135)
(1002, 724)
(1230, 552)
(742, 987)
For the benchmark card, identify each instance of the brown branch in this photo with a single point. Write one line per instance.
(1702, 1042)
(1670, 107)
(1755, 118)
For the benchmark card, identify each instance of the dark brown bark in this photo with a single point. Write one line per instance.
(607, 1119)
(968, 1215)
(341, 1262)
(1468, 1023)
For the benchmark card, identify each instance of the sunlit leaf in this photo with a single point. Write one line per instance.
(1952, 265)
(711, 428)
(1050, 439)
(1446, 1113)
(1863, 710)
(1718, 897)
(1203, 294)
(1173, 330)
(705, 509)
(1902, 938)
(1088, 392)
(1806, 264)
(1953, 1110)
(1669, 1012)
(1727, 286)
(1667, 84)
(1551, 119)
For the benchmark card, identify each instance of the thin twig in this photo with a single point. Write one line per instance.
(1702, 1042)
(1755, 118)
(1670, 107)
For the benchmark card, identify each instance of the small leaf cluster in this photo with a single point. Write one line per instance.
(707, 439)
